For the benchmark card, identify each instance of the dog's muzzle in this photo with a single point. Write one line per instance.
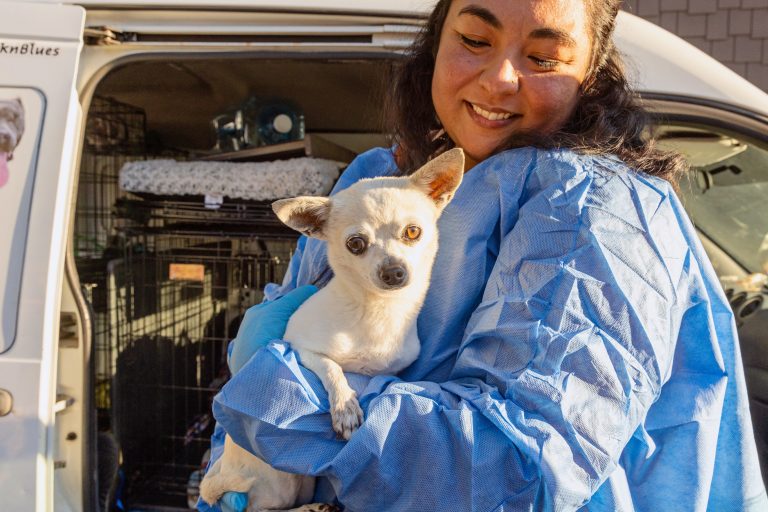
(393, 276)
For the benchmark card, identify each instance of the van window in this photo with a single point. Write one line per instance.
(725, 191)
(21, 120)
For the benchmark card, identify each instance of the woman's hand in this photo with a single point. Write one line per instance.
(265, 322)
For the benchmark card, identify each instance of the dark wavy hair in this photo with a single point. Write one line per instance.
(607, 119)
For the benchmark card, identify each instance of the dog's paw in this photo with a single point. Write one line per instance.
(210, 492)
(218, 484)
(346, 414)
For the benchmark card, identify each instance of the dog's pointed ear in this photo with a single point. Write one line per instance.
(440, 177)
(306, 214)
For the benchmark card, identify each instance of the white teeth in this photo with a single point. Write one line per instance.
(491, 116)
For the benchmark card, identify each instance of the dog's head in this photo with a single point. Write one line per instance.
(11, 124)
(381, 232)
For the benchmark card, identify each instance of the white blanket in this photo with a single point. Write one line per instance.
(244, 180)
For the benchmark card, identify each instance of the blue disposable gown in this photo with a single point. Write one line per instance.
(577, 354)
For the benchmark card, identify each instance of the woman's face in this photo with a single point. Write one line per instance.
(508, 67)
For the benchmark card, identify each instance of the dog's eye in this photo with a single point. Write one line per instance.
(356, 244)
(412, 233)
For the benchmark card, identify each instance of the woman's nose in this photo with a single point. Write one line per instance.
(500, 77)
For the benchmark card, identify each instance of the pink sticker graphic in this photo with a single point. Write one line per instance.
(11, 129)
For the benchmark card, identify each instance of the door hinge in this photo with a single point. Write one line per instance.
(105, 36)
(63, 402)
(68, 332)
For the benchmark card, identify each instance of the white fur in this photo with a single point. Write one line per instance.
(358, 322)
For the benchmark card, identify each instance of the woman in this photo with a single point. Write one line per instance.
(576, 349)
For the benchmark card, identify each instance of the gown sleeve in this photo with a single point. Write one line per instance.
(557, 369)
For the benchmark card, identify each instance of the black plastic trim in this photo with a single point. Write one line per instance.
(705, 102)
(246, 38)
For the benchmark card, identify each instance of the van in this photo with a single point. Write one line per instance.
(121, 290)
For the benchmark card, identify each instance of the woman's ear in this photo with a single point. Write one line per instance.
(306, 214)
(440, 177)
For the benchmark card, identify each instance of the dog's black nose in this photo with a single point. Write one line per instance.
(394, 276)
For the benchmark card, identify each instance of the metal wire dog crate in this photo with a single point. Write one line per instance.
(114, 135)
(177, 300)
(168, 281)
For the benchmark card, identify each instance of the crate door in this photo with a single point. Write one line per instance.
(39, 114)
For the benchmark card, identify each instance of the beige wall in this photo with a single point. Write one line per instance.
(735, 32)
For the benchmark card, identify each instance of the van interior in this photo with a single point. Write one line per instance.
(168, 276)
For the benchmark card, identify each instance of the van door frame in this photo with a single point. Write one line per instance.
(43, 43)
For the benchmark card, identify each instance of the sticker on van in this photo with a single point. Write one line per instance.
(21, 113)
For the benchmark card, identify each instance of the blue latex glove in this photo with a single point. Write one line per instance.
(265, 322)
(262, 323)
(234, 502)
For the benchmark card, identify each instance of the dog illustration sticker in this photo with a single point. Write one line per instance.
(11, 129)
(21, 113)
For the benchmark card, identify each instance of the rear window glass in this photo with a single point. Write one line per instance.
(726, 191)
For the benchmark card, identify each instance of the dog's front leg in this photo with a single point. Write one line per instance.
(346, 414)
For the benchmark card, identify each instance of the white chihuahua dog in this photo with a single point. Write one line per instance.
(382, 241)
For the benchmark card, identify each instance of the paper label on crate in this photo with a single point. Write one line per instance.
(213, 202)
(186, 272)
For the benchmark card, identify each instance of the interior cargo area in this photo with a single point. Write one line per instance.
(169, 275)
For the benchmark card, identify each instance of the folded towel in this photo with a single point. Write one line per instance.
(244, 180)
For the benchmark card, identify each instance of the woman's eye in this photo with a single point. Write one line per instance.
(544, 63)
(472, 43)
(356, 245)
(412, 233)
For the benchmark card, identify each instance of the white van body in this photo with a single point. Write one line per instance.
(56, 55)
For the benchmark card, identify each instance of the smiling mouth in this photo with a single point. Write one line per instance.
(491, 116)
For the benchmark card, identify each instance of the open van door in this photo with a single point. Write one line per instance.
(39, 118)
